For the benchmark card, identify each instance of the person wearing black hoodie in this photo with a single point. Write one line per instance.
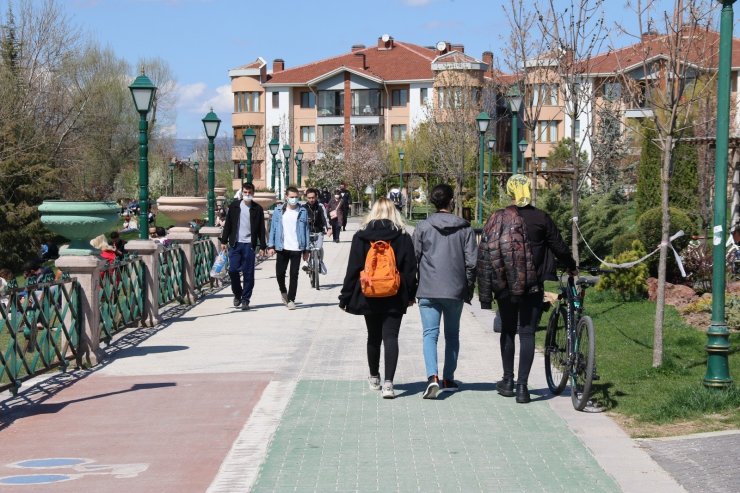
(446, 251)
(382, 315)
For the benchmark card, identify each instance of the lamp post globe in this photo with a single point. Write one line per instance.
(515, 103)
(482, 120)
(274, 146)
(249, 136)
(286, 154)
(143, 92)
(211, 124)
(298, 162)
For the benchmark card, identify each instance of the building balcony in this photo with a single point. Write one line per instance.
(638, 113)
(367, 110)
(329, 111)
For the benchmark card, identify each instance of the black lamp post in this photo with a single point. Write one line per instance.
(249, 137)
(491, 146)
(211, 123)
(143, 91)
(286, 154)
(172, 176)
(483, 120)
(298, 161)
(196, 165)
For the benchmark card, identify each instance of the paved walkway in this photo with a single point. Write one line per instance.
(221, 400)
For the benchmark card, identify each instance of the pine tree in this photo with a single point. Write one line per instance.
(684, 192)
(609, 149)
(648, 171)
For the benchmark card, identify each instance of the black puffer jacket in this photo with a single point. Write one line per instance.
(351, 297)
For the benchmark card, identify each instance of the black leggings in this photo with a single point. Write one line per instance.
(284, 257)
(383, 327)
(527, 313)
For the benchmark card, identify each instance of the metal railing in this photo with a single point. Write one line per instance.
(204, 254)
(40, 329)
(367, 110)
(172, 275)
(122, 296)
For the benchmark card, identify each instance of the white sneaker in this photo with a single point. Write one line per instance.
(388, 390)
(291, 305)
(373, 382)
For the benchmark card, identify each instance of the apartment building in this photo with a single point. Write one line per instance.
(384, 90)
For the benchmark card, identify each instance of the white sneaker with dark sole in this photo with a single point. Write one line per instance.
(432, 390)
(388, 390)
(373, 382)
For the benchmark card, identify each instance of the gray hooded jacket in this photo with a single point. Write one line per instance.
(446, 252)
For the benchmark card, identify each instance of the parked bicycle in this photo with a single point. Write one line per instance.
(570, 341)
(314, 260)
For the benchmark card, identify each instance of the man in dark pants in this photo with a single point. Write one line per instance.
(346, 199)
(244, 227)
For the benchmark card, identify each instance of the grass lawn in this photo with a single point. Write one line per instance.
(647, 401)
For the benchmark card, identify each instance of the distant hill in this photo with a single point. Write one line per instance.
(186, 147)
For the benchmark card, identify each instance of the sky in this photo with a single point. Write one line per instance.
(202, 39)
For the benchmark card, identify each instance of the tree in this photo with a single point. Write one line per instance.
(610, 149)
(364, 163)
(648, 172)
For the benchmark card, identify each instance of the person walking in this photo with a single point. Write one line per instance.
(446, 253)
(514, 259)
(289, 237)
(336, 214)
(325, 196)
(244, 228)
(382, 226)
(346, 201)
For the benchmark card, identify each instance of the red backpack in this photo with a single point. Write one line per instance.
(380, 277)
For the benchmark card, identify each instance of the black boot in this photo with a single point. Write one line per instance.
(522, 393)
(505, 387)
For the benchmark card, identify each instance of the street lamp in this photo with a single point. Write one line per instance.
(211, 123)
(249, 137)
(491, 146)
(523, 148)
(718, 336)
(298, 160)
(401, 155)
(286, 155)
(279, 165)
(274, 146)
(196, 165)
(143, 91)
(515, 103)
(483, 120)
(241, 172)
(172, 175)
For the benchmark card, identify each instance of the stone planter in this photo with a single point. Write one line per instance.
(79, 222)
(265, 199)
(182, 210)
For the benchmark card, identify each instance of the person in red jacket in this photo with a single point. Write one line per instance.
(382, 315)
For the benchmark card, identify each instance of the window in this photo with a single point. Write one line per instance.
(424, 96)
(308, 134)
(275, 99)
(308, 100)
(275, 131)
(398, 133)
(399, 97)
(612, 91)
(546, 132)
(547, 94)
(246, 102)
(331, 103)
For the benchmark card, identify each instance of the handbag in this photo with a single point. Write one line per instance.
(219, 268)
(333, 213)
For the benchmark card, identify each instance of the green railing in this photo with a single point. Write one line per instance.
(121, 297)
(171, 275)
(204, 252)
(40, 329)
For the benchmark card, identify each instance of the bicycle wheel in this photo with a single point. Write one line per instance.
(316, 268)
(583, 364)
(556, 351)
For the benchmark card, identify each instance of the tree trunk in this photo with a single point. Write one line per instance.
(735, 217)
(665, 235)
(574, 162)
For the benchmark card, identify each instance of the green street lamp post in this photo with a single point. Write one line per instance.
(196, 165)
(718, 337)
(515, 103)
(143, 91)
(211, 123)
(491, 146)
(401, 155)
(274, 146)
(241, 172)
(298, 161)
(482, 120)
(249, 137)
(279, 164)
(522, 149)
(172, 176)
(286, 155)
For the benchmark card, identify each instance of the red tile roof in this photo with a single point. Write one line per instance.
(405, 61)
(255, 64)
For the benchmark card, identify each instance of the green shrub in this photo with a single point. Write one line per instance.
(623, 243)
(649, 230)
(631, 284)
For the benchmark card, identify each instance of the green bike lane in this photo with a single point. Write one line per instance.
(221, 400)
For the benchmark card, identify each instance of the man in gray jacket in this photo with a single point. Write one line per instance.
(446, 253)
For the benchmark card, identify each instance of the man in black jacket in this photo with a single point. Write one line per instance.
(318, 221)
(244, 227)
(346, 200)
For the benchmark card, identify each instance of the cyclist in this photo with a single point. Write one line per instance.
(318, 222)
(515, 257)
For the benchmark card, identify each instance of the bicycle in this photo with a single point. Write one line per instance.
(314, 260)
(570, 343)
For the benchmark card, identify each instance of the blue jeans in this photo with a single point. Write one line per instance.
(432, 310)
(241, 259)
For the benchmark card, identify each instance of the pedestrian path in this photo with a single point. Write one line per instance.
(222, 400)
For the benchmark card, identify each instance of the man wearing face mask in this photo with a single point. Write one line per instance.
(289, 237)
(243, 228)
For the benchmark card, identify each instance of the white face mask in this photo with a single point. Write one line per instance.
(247, 198)
(292, 200)
(336, 196)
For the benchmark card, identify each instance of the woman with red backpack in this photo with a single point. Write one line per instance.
(380, 284)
